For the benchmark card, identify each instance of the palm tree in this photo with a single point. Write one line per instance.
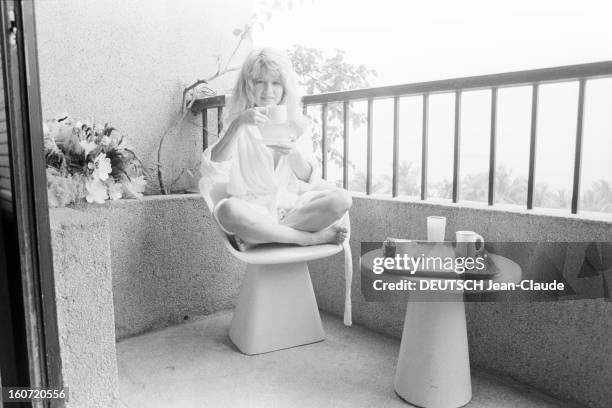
(509, 189)
(598, 197)
(408, 179)
(475, 187)
(380, 185)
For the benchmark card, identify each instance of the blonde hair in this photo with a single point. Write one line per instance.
(255, 65)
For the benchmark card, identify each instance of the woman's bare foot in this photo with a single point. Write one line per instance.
(334, 234)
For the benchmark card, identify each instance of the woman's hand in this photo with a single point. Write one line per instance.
(252, 117)
(298, 164)
(221, 151)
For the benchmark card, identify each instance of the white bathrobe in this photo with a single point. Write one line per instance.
(250, 175)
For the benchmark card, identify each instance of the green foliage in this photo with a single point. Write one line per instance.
(509, 189)
(598, 197)
(409, 182)
(320, 74)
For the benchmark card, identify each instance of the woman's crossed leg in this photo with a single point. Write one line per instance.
(311, 223)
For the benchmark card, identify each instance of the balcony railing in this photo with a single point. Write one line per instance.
(572, 73)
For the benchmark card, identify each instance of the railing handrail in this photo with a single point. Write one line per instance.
(492, 82)
(506, 79)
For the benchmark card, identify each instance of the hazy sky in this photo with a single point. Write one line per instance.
(416, 41)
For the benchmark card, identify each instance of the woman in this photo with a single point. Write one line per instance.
(274, 193)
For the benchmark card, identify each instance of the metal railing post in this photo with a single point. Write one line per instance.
(457, 143)
(345, 157)
(532, 145)
(493, 146)
(424, 147)
(578, 151)
(369, 147)
(396, 125)
(324, 141)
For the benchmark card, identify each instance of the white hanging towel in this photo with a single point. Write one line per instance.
(348, 274)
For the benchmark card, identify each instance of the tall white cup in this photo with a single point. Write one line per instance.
(436, 228)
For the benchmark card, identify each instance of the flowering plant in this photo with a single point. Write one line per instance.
(89, 161)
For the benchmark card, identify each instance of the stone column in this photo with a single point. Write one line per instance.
(86, 324)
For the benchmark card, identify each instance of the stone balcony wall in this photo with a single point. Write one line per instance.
(168, 264)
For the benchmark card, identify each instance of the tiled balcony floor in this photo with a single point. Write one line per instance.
(196, 365)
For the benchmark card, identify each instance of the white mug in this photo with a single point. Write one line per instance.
(275, 113)
(436, 228)
(468, 244)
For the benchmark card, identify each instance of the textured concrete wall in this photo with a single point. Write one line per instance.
(127, 62)
(564, 348)
(81, 261)
(168, 262)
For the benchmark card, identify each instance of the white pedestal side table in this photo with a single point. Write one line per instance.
(433, 368)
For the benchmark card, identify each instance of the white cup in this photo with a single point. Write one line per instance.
(469, 244)
(436, 227)
(275, 113)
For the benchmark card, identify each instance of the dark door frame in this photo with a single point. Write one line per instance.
(29, 188)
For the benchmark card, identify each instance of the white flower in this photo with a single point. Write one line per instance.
(96, 191)
(135, 187)
(139, 184)
(103, 167)
(105, 141)
(87, 146)
(115, 191)
(61, 190)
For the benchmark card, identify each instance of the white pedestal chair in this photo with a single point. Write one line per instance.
(276, 308)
